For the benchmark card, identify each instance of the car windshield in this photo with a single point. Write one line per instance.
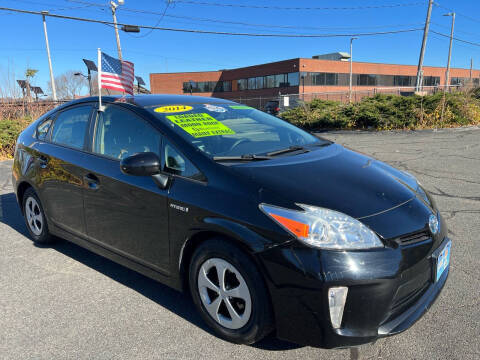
(222, 130)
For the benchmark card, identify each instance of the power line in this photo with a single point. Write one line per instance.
(456, 30)
(456, 39)
(214, 32)
(463, 15)
(85, 5)
(466, 46)
(270, 7)
(210, 20)
(158, 22)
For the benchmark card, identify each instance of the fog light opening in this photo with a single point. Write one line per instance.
(337, 296)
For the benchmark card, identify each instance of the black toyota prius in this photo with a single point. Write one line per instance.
(270, 228)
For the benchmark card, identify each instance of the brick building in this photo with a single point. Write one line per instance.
(302, 75)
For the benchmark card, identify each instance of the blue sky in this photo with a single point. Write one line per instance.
(22, 43)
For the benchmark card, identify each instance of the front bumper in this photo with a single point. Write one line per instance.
(388, 290)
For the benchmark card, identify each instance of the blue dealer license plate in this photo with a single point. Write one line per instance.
(443, 260)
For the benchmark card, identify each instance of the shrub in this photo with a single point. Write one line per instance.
(9, 131)
(388, 112)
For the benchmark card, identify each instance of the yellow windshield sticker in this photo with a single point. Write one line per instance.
(200, 125)
(173, 108)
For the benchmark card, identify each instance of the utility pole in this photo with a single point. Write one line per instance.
(447, 75)
(113, 6)
(418, 84)
(351, 69)
(52, 79)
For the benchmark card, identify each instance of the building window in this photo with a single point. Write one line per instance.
(344, 80)
(260, 82)
(279, 80)
(458, 81)
(431, 80)
(384, 80)
(366, 80)
(339, 79)
(293, 79)
(269, 81)
(331, 79)
(207, 86)
(318, 79)
(227, 85)
(223, 86)
(242, 84)
(403, 80)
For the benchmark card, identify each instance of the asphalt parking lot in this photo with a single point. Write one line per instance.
(64, 302)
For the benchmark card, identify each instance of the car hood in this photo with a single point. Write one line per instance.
(334, 177)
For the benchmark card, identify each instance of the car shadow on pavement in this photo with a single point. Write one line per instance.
(174, 301)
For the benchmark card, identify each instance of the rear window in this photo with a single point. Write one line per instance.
(70, 127)
(231, 129)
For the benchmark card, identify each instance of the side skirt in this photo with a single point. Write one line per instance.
(173, 282)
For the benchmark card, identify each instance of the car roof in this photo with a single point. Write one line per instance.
(153, 99)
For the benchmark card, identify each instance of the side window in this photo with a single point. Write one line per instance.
(119, 134)
(178, 164)
(42, 129)
(70, 126)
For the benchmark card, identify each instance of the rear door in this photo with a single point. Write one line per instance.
(59, 156)
(126, 214)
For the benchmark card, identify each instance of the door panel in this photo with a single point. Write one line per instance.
(58, 163)
(125, 213)
(60, 185)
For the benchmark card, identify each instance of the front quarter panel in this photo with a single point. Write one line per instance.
(196, 207)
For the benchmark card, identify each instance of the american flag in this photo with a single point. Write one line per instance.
(117, 74)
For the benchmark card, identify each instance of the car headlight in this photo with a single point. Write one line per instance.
(323, 228)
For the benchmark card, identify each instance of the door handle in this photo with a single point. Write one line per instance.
(92, 181)
(43, 161)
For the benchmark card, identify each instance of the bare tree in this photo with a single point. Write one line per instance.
(69, 85)
(9, 89)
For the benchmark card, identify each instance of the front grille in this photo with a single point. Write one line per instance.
(414, 238)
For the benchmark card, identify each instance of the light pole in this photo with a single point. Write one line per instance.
(52, 79)
(447, 75)
(113, 6)
(351, 68)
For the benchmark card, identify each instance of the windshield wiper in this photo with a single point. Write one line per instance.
(286, 150)
(244, 157)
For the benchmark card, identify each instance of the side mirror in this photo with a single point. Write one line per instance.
(141, 164)
(145, 164)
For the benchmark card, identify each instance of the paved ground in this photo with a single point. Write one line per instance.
(65, 302)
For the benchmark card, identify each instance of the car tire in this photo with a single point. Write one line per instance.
(238, 308)
(35, 218)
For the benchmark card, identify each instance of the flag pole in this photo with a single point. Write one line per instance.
(99, 80)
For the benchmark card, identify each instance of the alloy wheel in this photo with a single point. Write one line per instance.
(34, 216)
(224, 293)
